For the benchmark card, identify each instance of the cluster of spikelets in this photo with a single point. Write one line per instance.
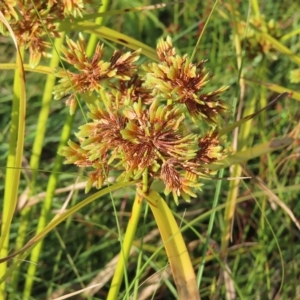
(33, 22)
(256, 43)
(140, 117)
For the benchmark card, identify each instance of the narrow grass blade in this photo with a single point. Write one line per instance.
(290, 34)
(279, 46)
(38, 69)
(14, 160)
(253, 152)
(278, 89)
(109, 34)
(126, 10)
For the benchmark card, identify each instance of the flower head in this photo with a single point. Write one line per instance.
(7, 7)
(131, 90)
(33, 22)
(176, 78)
(91, 74)
(133, 130)
(179, 182)
(254, 41)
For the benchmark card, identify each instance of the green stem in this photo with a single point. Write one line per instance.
(126, 245)
(140, 257)
(210, 227)
(255, 7)
(13, 164)
(94, 38)
(37, 149)
(43, 220)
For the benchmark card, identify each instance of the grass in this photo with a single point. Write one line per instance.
(242, 234)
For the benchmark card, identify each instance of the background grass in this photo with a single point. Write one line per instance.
(263, 253)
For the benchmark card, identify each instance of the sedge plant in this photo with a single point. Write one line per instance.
(139, 120)
(144, 126)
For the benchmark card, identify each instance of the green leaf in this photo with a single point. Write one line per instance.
(277, 88)
(109, 34)
(256, 151)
